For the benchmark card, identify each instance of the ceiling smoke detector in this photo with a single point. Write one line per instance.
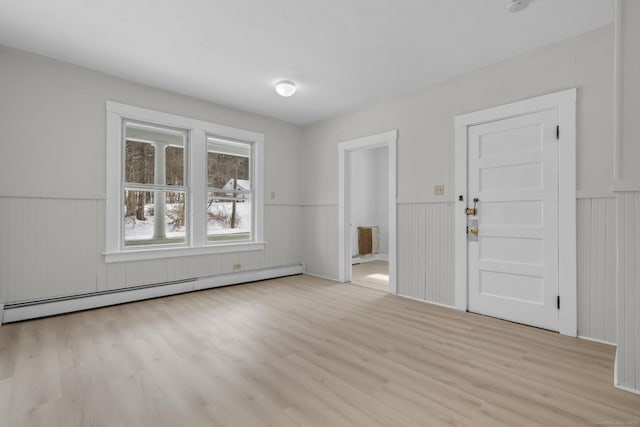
(514, 6)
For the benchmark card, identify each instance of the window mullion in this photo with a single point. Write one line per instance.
(153, 187)
(198, 187)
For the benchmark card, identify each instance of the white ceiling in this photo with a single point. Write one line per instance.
(342, 54)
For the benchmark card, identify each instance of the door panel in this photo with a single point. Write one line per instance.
(513, 266)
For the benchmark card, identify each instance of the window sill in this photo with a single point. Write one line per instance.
(156, 253)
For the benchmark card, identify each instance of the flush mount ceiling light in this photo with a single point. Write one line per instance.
(285, 88)
(514, 6)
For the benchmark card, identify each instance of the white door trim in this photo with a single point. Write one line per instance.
(386, 139)
(565, 103)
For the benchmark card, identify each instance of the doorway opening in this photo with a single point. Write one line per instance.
(367, 211)
(369, 217)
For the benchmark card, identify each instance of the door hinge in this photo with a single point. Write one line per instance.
(558, 132)
(558, 302)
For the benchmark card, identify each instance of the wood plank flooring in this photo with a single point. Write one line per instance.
(372, 274)
(300, 351)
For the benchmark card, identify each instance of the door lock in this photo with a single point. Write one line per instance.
(474, 210)
(472, 230)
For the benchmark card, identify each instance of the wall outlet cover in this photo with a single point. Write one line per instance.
(438, 190)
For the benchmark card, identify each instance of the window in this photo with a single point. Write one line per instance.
(178, 186)
(230, 194)
(153, 186)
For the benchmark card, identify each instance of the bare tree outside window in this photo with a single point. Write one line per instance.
(230, 191)
(154, 165)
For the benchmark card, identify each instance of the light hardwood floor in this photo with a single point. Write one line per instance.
(372, 274)
(300, 351)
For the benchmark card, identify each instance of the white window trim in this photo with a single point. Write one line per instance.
(197, 166)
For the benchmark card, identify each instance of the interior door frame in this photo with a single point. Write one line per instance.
(386, 139)
(565, 103)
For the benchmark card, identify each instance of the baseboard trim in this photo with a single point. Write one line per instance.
(50, 307)
(615, 378)
(333, 279)
(439, 304)
(599, 341)
(627, 389)
(370, 258)
(247, 276)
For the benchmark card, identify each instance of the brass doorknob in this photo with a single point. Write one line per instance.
(473, 230)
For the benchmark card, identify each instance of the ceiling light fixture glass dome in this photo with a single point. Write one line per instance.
(285, 88)
(515, 6)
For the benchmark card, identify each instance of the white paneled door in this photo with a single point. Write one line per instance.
(513, 174)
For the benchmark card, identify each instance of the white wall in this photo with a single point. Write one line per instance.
(596, 255)
(52, 182)
(628, 100)
(425, 120)
(369, 194)
(628, 193)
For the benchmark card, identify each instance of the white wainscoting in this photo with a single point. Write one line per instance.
(51, 247)
(426, 252)
(319, 239)
(425, 256)
(628, 356)
(596, 231)
(425, 260)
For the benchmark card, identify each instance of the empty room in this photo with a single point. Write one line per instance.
(330, 213)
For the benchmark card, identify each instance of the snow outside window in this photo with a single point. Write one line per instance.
(178, 186)
(229, 190)
(154, 193)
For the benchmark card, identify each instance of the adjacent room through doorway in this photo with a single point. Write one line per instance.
(369, 218)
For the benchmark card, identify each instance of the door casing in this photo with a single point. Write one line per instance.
(565, 103)
(385, 139)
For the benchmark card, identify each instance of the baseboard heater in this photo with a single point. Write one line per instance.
(52, 306)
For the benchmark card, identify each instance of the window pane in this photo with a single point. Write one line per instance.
(154, 217)
(139, 162)
(154, 155)
(229, 218)
(174, 166)
(228, 164)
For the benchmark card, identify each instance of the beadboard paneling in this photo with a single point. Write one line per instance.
(49, 247)
(425, 252)
(319, 239)
(425, 260)
(53, 247)
(628, 357)
(596, 231)
(425, 248)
